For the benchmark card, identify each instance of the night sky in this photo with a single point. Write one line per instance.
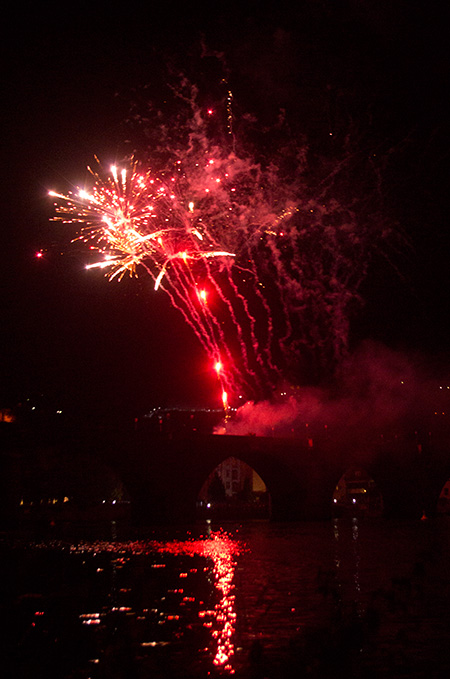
(70, 73)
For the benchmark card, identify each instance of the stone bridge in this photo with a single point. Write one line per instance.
(164, 474)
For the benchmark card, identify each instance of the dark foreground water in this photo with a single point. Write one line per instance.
(345, 598)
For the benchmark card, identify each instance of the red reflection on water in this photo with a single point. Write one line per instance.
(222, 549)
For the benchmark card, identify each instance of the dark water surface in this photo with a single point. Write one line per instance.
(345, 598)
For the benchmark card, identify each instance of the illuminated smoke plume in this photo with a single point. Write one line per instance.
(264, 264)
(380, 394)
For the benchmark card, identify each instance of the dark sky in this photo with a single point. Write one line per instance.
(70, 73)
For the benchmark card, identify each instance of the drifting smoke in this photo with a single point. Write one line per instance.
(380, 393)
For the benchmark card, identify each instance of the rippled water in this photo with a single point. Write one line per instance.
(328, 599)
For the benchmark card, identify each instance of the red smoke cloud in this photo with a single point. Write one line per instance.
(379, 392)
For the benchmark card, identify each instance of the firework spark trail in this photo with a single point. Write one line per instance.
(237, 325)
(326, 296)
(270, 325)
(282, 290)
(213, 321)
(184, 286)
(204, 338)
(206, 327)
(210, 209)
(237, 379)
(252, 323)
(205, 324)
(210, 323)
(295, 297)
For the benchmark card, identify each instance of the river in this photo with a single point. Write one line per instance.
(341, 598)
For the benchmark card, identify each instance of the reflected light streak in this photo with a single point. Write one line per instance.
(222, 550)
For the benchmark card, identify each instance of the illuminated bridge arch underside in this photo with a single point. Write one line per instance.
(164, 476)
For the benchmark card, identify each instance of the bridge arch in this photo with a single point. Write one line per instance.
(164, 476)
(233, 490)
(357, 493)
